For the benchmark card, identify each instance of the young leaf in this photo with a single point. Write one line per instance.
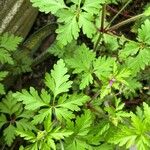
(57, 81)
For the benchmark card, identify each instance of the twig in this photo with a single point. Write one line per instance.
(101, 28)
(118, 13)
(120, 24)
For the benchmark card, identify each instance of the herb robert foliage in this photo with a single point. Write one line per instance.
(81, 106)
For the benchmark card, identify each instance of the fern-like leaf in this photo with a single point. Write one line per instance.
(57, 81)
(49, 5)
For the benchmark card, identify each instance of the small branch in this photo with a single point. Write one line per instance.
(101, 28)
(125, 22)
(118, 13)
(39, 59)
(115, 11)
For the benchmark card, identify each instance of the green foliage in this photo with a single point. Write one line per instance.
(8, 44)
(84, 57)
(81, 127)
(137, 54)
(58, 80)
(12, 116)
(84, 103)
(80, 15)
(3, 74)
(44, 139)
(136, 133)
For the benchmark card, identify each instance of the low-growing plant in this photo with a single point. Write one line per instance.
(82, 106)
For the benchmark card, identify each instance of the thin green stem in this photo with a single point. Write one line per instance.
(101, 28)
(118, 13)
(61, 145)
(120, 24)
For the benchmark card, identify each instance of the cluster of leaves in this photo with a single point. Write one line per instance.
(54, 118)
(8, 45)
(12, 59)
(81, 106)
(80, 15)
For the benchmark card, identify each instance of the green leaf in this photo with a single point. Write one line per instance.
(136, 132)
(66, 106)
(143, 32)
(58, 135)
(78, 144)
(5, 57)
(49, 5)
(122, 75)
(9, 105)
(72, 29)
(31, 99)
(3, 74)
(82, 60)
(139, 62)
(81, 129)
(92, 6)
(87, 79)
(82, 124)
(64, 113)
(24, 124)
(57, 81)
(27, 135)
(3, 120)
(78, 2)
(103, 66)
(2, 90)
(73, 102)
(147, 12)
(87, 25)
(9, 42)
(9, 134)
(43, 113)
(131, 48)
(111, 42)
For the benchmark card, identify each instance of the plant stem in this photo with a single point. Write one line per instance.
(39, 59)
(61, 145)
(101, 28)
(118, 13)
(120, 24)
